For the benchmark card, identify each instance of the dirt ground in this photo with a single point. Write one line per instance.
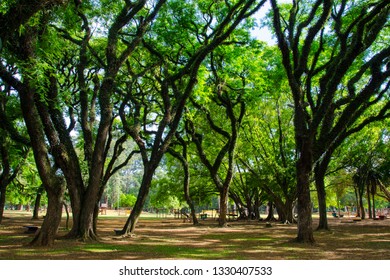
(169, 238)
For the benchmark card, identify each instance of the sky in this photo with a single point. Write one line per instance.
(264, 34)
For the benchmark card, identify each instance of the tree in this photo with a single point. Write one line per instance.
(183, 158)
(267, 147)
(336, 71)
(13, 142)
(228, 86)
(46, 116)
(367, 160)
(203, 26)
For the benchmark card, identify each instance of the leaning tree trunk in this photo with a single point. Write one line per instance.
(132, 220)
(51, 223)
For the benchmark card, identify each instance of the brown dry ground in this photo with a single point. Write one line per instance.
(169, 238)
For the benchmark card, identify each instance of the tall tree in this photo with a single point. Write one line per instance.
(267, 147)
(24, 53)
(221, 105)
(197, 28)
(13, 142)
(335, 71)
(184, 161)
(50, 98)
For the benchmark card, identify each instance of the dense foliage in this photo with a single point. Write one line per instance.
(172, 104)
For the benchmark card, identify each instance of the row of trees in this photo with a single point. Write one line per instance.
(89, 86)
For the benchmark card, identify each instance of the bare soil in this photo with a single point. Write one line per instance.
(169, 238)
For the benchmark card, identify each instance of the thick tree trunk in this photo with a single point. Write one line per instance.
(319, 177)
(53, 184)
(86, 227)
(75, 204)
(304, 167)
(47, 234)
(321, 195)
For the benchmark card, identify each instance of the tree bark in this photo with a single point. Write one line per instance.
(319, 175)
(132, 220)
(361, 204)
(304, 166)
(368, 201)
(270, 216)
(223, 206)
(48, 232)
(186, 185)
(37, 203)
(285, 210)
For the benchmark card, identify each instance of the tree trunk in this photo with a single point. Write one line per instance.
(304, 167)
(369, 203)
(249, 206)
(223, 207)
(361, 205)
(319, 177)
(86, 228)
(131, 222)
(2, 202)
(187, 193)
(186, 183)
(256, 207)
(321, 195)
(270, 216)
(37, 204)
(47, 234)
(357, 202)
(284, 210)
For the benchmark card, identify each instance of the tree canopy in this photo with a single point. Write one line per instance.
(113, 98)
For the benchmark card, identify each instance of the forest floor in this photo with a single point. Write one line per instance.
(169, 238)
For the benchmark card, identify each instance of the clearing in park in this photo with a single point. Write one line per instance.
(171, 238)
